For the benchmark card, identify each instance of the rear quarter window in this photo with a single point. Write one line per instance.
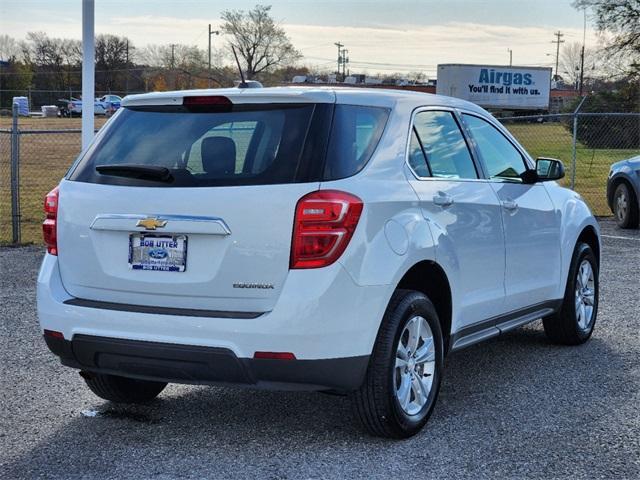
(355, 133)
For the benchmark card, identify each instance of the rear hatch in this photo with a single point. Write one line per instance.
(190, 202)
(190, 206)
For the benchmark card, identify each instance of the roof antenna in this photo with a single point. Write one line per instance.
(243, 83)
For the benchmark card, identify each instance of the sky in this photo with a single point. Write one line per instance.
(381, 36)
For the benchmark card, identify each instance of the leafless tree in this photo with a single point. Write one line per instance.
(261, 43)
(571, 62)
(621, 20)
(9, 48)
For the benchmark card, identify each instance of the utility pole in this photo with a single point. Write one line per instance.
(339, 45)
(342, 59)
(126, 73)
(584, 39)
(215, 32)
(581, 71)
(173, 63)
(510, 57)
(345, 60)
(173, 56)
(558, 41)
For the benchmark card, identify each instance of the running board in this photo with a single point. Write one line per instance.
(498, 325)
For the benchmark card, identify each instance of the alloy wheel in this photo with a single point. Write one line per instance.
(622, 205)
(415, 365)
(585, 294)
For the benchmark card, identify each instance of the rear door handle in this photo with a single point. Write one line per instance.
(443, 200)
(509, 205)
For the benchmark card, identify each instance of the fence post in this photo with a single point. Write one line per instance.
(15, 176)
(574, 143)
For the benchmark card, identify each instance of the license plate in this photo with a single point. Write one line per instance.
(163, 253)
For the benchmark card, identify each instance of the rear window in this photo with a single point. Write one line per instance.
(248, 145)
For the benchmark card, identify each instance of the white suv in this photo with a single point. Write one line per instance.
(317, 239)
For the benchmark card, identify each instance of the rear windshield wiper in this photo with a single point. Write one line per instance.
(132, 170)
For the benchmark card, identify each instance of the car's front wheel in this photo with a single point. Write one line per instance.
(625, 207)
(121, 389)
(574, 323)
(405, 369)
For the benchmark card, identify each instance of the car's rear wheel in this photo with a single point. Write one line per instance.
(403, 378)
(121, 389)
(575, 321)
(625, 206)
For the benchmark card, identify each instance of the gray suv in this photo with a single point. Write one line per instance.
(623, 192)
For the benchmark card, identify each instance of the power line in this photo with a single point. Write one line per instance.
(375, 64)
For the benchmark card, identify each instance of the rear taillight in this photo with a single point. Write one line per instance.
(50, 224)
(324, 224)
(274, 356)
(53, 334)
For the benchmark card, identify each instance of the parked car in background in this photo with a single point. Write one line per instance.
(63, 107)
(308, 239)
(623, 192)
(74, 107)
(105, 105)
(110, 103)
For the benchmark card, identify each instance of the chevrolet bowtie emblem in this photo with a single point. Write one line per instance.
(151, 223)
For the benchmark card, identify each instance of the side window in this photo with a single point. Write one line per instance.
(417, 161)
(444, 145)
(501, 158)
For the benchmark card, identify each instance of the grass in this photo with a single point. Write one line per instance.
(46, 157)
(592, 165)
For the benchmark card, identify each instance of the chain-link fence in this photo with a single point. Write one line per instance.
(43, 158)
(41, 151)
(587, 143)
(35, 153)
(5, 185)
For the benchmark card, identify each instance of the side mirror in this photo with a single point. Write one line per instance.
(547, 169)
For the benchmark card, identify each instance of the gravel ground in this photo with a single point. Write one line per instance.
(514, 407)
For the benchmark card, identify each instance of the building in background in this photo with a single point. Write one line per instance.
(503, 90)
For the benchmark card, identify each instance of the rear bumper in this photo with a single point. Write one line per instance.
(326, 320)
(166, 362)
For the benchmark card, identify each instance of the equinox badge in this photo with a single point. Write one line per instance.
(262, 286)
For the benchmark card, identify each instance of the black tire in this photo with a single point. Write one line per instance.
(625, 217)
(121, 389)
(375, 404)
(563, 327)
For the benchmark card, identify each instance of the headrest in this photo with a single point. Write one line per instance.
(218, 156)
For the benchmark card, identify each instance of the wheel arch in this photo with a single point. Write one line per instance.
(430, 278)
(589, 236)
